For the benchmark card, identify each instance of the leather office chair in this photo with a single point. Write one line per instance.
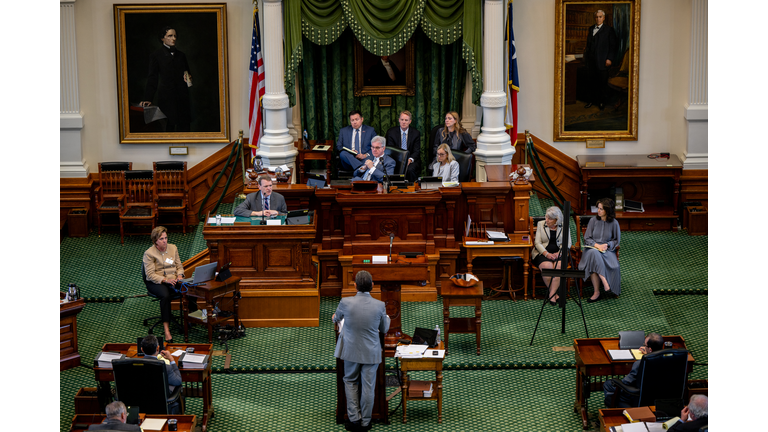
(533, 223)
(144, 383)
(662, 375)
(158, 320)
(401, 158)
(466, 162)
(172, 190)
(109, 193)
(140, 200)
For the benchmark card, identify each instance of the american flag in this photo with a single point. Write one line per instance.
(256, 80)
(510, 119)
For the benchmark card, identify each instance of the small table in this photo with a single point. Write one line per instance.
(308, 155)
(105, 376)
(454, 295)
(185, 423)
(210, 291)
(593, 363)
(512, 248)
(424, 364)
(610, 417)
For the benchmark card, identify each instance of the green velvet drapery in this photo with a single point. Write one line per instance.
(383, 27)
(327, 95)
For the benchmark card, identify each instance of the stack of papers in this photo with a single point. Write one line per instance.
(621, 355)
(152, 424)
(411, 351)
(104, 360)
(497, 236)
(194, 361)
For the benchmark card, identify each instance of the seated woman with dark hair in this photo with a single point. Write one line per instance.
(599, 259)
(547, 245)
(445, 166)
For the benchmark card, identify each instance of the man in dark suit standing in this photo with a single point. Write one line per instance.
(694, 416)
(262, 203)
(599, 54)
(359, 345)
(357, 137)
(169, 76)
(405, 138)
(375, 166)
(117, 415)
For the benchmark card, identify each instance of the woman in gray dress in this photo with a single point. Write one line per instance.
(599, 258)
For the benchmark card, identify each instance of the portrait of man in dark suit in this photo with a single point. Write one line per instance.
(599, 55)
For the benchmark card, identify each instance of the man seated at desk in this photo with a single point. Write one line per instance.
(262, 203)
(357, 137)
(653, 342)
(375, 166)
(117, 415)
(150, 348)
(693, 416)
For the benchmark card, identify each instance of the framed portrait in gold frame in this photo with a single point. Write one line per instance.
(597, 60)
(172, 73)
(385, 75)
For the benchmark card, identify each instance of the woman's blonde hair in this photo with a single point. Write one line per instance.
(448, 153)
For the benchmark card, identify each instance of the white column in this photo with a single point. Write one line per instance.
(697, 147)
(71, 162)
(493, 144)
(276, 147)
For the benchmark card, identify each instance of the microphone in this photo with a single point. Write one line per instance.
(380, 166)
(391, 240)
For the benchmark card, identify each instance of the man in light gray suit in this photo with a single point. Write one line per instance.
(262, 203)
(360, 347)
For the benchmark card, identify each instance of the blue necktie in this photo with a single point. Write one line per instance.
(357, 140)
(404, 143)
(266, 203)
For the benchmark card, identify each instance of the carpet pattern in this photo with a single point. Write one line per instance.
(512, 385)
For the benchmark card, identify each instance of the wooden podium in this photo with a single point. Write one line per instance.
(388, 280)
(274, 263)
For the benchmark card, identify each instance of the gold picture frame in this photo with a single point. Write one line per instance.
(592, 101)
(193, 108)
(368, 73)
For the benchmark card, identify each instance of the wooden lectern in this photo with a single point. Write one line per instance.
(390, 277)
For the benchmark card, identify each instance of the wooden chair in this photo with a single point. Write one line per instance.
(109, 193)
(172, 190)
(533, 223)
(140, 200)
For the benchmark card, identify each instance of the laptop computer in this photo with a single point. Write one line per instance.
(315, 180)
(631, 339)
(202, 274)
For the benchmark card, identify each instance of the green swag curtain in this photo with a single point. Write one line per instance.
(327, 89)
(383, 27)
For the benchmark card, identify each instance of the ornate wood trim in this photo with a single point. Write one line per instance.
(201, 177)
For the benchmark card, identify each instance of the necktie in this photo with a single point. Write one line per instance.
(357, 140)
(266, 203)
(368, 174)
(403, 143)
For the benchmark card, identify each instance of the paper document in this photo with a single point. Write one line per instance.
(621, 354)
(478, 243)
(224, 220)
(178, 353)
(410, 351)
(108, 356)
(655, 427)
(194, 358)
(497, 235)
(153, 424)
(431, 353)
(634, 427)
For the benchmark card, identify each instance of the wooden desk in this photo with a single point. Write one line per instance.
(610, 417)
(516, 247)
(68, 355)
(274, 263)
(454, 295)
(200, 376)
(308, 155)
(654, 182)
(593, 363)
(424, 364)
(210, 292)
(184, 423)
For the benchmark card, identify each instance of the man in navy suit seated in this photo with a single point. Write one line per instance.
(357, 137)
(374, 166)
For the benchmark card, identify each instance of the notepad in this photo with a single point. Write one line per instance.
(621, 355)
(153, 424)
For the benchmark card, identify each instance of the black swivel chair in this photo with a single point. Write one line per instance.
(401, 159)
(662, 375)
(144, 383)
(158, 319)
(466, 162)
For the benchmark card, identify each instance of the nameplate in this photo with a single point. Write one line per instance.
(274, 222)
(379, 259)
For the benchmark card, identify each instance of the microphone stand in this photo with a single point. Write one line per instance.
(391, 239)
(386, 179)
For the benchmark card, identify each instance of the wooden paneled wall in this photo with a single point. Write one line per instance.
(561, 168)
(694, 186)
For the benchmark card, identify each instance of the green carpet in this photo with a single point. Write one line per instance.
(511, 386)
